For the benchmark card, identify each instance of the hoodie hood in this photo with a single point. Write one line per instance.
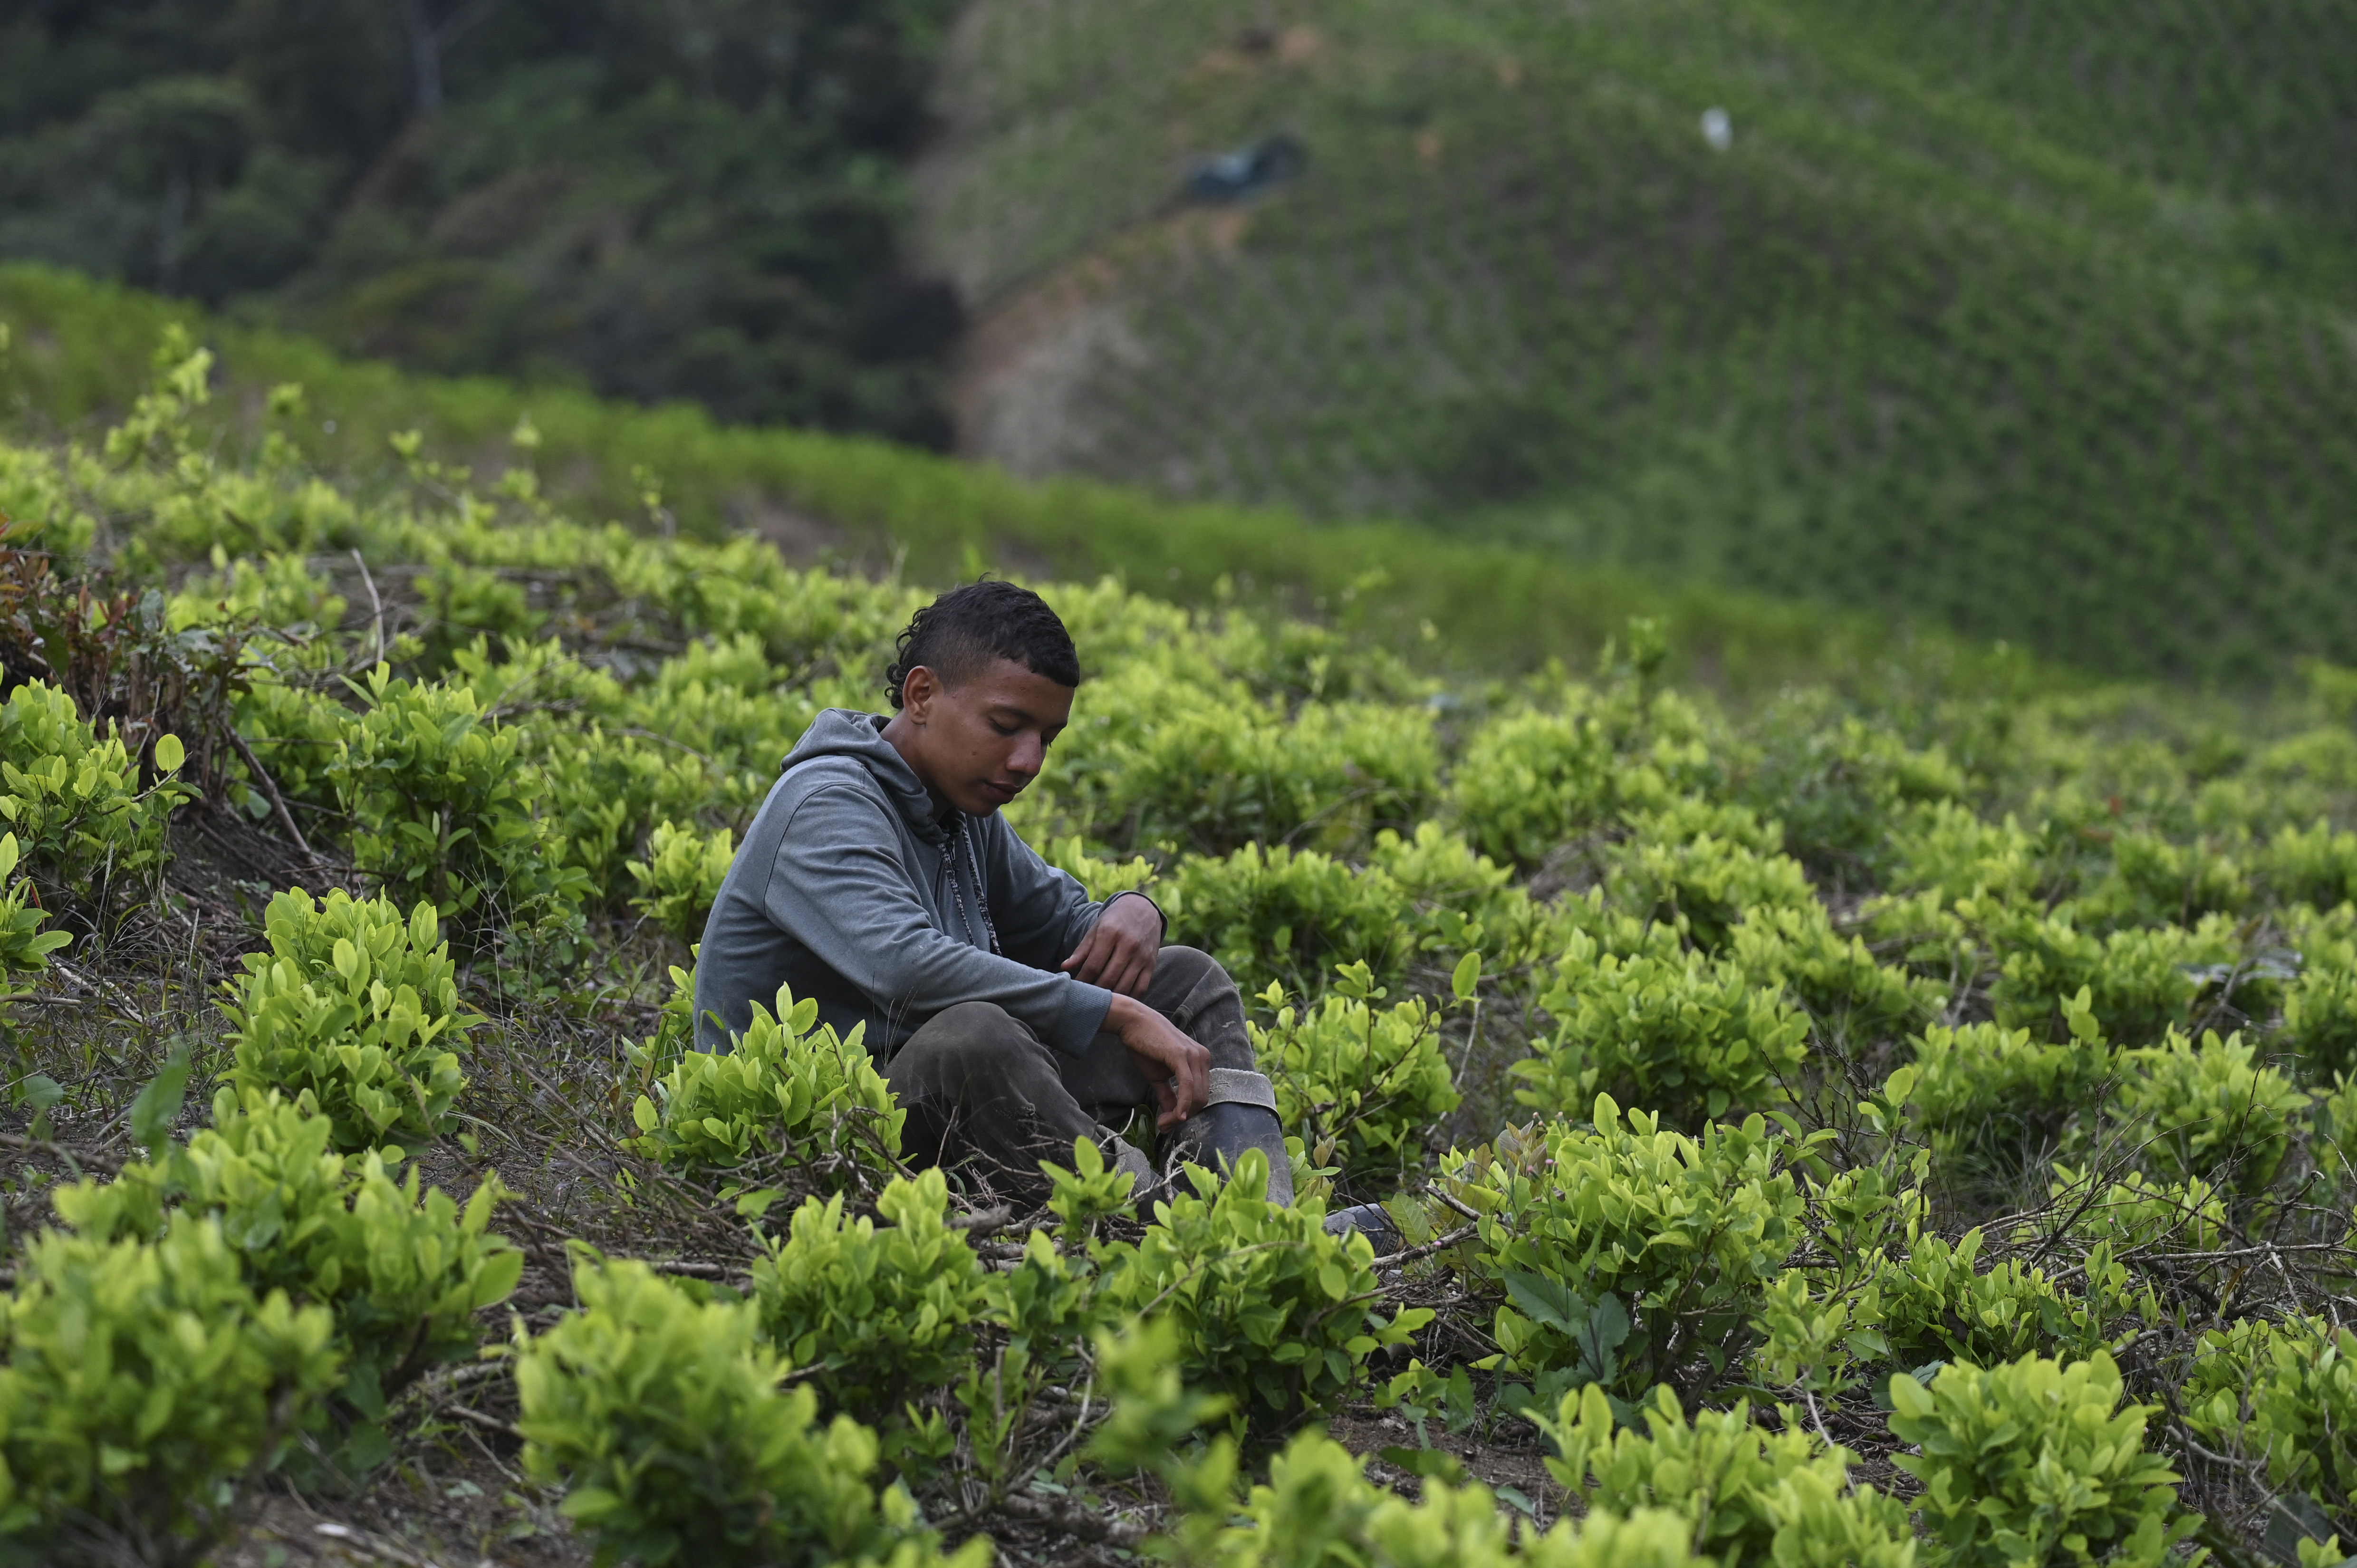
(841, 731)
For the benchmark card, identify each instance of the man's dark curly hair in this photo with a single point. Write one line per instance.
(960, 632)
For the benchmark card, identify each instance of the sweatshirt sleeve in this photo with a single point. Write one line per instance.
(838, 887)
(1041, 912)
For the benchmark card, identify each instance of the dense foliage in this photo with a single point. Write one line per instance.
(663, 202)
(1767, 1102)
(81, 354)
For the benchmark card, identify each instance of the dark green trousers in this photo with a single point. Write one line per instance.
(987, 1098)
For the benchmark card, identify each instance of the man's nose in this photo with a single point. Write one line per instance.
(1029, 755)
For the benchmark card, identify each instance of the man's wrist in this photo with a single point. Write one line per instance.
(1135, 893)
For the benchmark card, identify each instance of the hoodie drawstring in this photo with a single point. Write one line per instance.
(964, 835)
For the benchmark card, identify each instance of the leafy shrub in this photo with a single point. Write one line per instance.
(1276, 915)
(25, 948)
(1151, 1412)
(461, 603)
(352, 1011)
(721, 698)
(1947, 852)
(680, 879)
(2211, 1111)
(1272, 1310)
(1816, 1327)
(2140, 982)
(143, 1382)
(790, 1092)
(1847, 993)
(1101, 878)
(2153, 881)
(296, 734)
(2034, 1462)
(1690, 1035)
(74, 802)
(1318, 1508)
(441, 812)
(1843, 786)
(599, 793)
(1435, 868)
(1368, 1082)
(2286, 1393)
(1532, 781)
(404, 1272)
(1091, 1190)
(870, 1314)
(279, 593)
(1747, 1495)
(1627, 1251)
(1983, 1090)
(2141, 1212)
(2316, 864)
(1938, 1301)
(1048, 1303)
(1701, 868)
(663, 1419)
(1202, 765)
(2319, 1008)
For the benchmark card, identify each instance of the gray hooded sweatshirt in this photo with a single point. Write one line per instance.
(851, 891)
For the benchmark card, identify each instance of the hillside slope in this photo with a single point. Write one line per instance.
(2032, 322)
(74, 353)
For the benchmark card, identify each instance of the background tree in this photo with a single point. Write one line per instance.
(699, 199)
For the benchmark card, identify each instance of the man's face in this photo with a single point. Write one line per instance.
(977, 744)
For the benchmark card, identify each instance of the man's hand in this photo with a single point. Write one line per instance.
(1178, 1069)
(1118, 952)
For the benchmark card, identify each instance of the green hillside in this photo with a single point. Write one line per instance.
(2030, 319)
(82, 352)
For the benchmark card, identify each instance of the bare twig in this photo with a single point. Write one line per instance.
(477, 1418)
(100, 983)
(270, 789)
(376, 605)
(1438, 1244)
(1468, 1211)
(80, 1159)
(1073, 1519)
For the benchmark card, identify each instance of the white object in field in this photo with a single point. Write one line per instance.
(1718, 129)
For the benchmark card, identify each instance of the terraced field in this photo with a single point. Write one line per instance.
(2028, 322)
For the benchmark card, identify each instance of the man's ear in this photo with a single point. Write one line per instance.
(918, 691)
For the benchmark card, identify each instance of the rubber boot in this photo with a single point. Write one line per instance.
(1216, 1136)
(1369, 1220)
(1131, 1160)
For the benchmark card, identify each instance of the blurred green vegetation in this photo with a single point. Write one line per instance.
(653, 198)
(81, 351)
(2030, 319)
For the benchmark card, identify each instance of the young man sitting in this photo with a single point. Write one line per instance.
(1010, 1014)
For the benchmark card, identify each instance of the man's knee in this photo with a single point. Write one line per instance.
(971, 1028)
(974, 1046)
(1189, 980)
(1189, 966)
(1193, 991)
